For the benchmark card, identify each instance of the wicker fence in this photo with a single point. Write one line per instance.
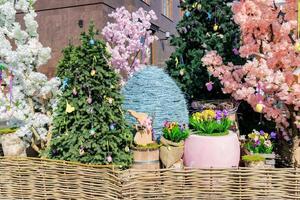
(45, 179)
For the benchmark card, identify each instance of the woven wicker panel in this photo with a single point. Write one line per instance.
(37, 179)
(44, 179)
(244, 183)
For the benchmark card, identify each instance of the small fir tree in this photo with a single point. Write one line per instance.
(206, 25)
(89, 125)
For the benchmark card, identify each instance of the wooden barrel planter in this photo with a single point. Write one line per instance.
(146, 158)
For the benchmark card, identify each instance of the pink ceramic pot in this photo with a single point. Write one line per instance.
(212, 151)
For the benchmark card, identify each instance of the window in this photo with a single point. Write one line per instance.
(146, 1)
(167, 8)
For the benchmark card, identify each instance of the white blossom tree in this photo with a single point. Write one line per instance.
(27, 97)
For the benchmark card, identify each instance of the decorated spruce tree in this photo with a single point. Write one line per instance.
(89, 126)
(270, 80)
(206, 25)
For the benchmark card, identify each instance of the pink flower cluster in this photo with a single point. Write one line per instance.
(267, 77)
(129, 36)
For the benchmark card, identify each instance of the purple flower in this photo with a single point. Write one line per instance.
(261, 132)
(273, 135)
(225, 113)
(182, 127)
(219, 115)
(257, 143)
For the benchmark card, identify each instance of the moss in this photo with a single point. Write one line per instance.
(253, 158)
(8, 130)
(151, 146)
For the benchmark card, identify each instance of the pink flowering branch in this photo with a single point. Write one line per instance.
(267, 79)
(128, 36)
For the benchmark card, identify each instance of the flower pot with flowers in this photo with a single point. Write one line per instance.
(212, 144)
(261, 143)
(172, 142)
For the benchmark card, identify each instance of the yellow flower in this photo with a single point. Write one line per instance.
(209, 114)
(252, 135)
(266, 135)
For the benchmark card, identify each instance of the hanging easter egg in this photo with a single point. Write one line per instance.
(89, 100)
(187, 13)
(74, 91)
(142, 40)
(216, 27)
(209, 86)
(65, 83)
(110, 100)
(92, 42)
(81, 151)
(112, 126)
(194, 5)
(199, 6)
(92, 131)
(297, 47)
(259, 107)
(181, 72)
(109, 159)
(93, 72)
(127, 149)
(208, 16)
(235, 51)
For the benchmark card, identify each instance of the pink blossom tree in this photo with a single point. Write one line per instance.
(267, 80)
(128, 36)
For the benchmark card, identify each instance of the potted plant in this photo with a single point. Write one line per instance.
(212, 144)
(262, 143)
(145, 151)
(254, 160)
(172, 142)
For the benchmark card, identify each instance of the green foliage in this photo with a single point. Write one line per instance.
(94, 129)
(151, 146)
(196, 36)
(208, 123)
(175, 132)
(253, 158)
(8, 130)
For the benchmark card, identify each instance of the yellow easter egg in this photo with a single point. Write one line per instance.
(297, 46)
(93, 72)
(216, 27)
(259, 107)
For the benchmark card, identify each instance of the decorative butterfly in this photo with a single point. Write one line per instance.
(69, 108)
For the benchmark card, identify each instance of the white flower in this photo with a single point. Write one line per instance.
(22, 106)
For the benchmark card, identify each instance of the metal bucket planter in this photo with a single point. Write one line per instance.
(212, 151)
(12, 145)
